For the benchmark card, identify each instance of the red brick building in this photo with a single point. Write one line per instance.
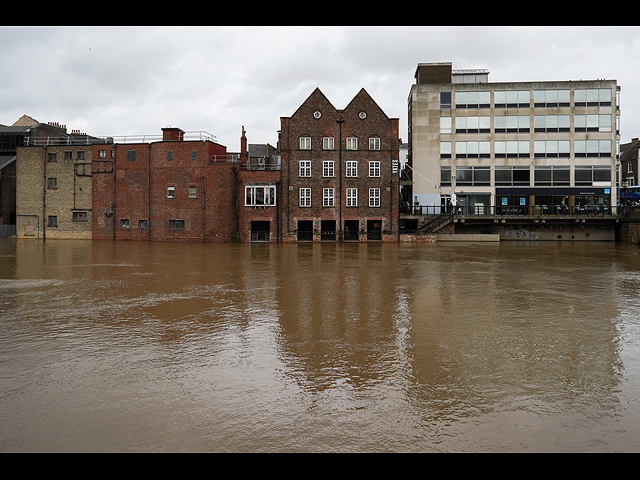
(340, 172)
(259, 193)
(177, 189)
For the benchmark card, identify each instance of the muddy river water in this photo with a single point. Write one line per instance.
(452, 347)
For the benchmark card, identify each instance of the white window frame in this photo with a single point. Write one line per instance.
(352, 197)
(374, 143)
(352, 168)
(374, 197)
(305, 143)
(171, 191)
(352, 143)
(327, 197)
(305, 197)
(254, 197)
(374, 168)
(192, 191)
(327, 168)
(304, 168)
(328, 143)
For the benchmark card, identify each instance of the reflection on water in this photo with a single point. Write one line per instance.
(512, 346)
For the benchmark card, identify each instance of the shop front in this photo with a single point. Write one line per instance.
(554, 201)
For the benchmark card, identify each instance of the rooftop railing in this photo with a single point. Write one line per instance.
(201, 136)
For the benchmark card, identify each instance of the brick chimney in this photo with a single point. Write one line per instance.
(172, 134)
(243, 148)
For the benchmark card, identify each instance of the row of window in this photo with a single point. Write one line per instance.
(522, 124)
(328, 196)
(328, 143)
(132, 155)
(328, 169)
(125, 223)
(522, 98)
(192, 191)
(588, 175)
(522, 149)
(52, 220)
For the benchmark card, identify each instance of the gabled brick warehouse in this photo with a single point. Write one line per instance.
(340, 172)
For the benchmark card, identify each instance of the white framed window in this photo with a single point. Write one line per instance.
(352, 168)
(374, 197)
(305, 197)
(327, 168)
(352, 197)
(305, 168)
(327, 197)
(327, 143)
(305, 143)
(259, 195)
(102, 154)
(352, 143)
(193, 191)
(374, 143)
(171, 191)
(374, 168)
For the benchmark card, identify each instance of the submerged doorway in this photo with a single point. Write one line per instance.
(328, 230)
(351, 230)
(374, 229)
(260, 230)
(305, 230)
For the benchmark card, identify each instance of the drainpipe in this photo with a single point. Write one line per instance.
(149, 192)
(204, 211)
(44, 193)
(340, 121)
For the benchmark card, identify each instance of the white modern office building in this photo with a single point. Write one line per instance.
(532, 146)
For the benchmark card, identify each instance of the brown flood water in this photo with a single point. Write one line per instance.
(454, 347)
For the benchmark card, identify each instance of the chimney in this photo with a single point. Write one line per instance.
(172, 134)
(243, 148)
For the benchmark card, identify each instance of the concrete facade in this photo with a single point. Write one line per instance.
(519, 144)
(340, 172)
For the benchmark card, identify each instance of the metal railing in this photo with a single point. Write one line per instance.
(228, 158)
(509, 211)
(71, 139)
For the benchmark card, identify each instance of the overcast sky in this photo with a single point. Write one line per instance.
(115, 81)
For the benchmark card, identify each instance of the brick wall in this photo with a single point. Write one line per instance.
(165, 191)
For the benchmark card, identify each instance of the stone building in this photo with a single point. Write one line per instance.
(339, 172)
(25, 131)
(523, 147)
(52, 181)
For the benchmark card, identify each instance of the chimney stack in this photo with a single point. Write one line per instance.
(172, 134)
(243, 148)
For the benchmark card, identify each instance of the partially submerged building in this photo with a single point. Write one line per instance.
(340, 172)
